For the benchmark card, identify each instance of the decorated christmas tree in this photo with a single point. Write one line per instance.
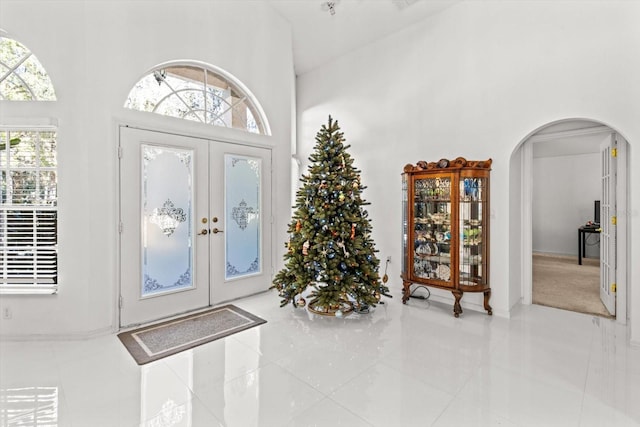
(330, 250)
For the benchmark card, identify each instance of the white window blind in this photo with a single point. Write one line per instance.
(28, 211)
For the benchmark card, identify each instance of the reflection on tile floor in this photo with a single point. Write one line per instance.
(401, 365)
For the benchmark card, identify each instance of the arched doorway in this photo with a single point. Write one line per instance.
(579, 137)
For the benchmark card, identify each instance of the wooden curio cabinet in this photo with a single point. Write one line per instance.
(446, 227)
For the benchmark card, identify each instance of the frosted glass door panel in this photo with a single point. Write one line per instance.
(242, 215)
(167, 223)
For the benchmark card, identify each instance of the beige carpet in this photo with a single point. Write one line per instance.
(558, 281)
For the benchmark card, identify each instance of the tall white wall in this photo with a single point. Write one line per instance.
(94, 52)
(476, 81)
(564, 191)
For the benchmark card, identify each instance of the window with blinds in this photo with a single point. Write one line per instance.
(28, 212)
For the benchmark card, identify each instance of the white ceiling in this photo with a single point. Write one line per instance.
(569, 138)
(319, 36)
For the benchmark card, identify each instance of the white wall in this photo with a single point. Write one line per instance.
(564, 191)
(94, 52)
(476, 81)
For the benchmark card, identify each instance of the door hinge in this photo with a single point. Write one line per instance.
(120, 227)
(614, 220)
(614, 152)
(119, 151)
(613, 287)
(120, 299)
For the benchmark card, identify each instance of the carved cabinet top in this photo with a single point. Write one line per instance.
(447, 165)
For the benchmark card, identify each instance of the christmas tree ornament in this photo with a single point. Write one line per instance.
(298, 226)
(353, 231)
(301, 302)
(385, 278)
(344, 249)
(305, 248)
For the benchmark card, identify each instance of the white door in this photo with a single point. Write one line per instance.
(195, 224)
(240, 221)
(608, 153)
(163, 201)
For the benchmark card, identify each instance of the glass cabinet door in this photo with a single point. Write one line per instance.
(472, 210)
(432, 229)
(405, 226)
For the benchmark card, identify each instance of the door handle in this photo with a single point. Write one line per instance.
(216, 231)
(204, 232)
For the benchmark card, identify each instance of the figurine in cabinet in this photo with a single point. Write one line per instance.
(446, 227)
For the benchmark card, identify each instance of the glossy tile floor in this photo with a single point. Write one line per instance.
(412, 365)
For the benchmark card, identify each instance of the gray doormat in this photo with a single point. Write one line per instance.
(154, 342)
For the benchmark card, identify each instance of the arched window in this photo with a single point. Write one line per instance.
(29, 179)
(22, 77)
(200, 93)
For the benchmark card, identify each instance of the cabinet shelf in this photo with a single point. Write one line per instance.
(440, 259)
(446, 227)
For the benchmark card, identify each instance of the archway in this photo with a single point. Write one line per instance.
(579, 132)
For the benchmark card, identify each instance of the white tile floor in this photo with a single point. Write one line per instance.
(411, 365)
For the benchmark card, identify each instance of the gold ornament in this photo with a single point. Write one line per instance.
(298, 226)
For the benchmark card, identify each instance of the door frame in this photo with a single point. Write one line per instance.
(160, 124)
(526, 218)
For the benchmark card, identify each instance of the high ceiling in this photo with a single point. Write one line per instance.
(320, 36)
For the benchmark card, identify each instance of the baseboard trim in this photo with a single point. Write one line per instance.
(76, 336)
(467, 305)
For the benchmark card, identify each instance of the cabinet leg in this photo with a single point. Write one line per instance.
(406, 291)
(457, 309)
(487, 295)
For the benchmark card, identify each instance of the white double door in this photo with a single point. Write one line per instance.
(195, 223)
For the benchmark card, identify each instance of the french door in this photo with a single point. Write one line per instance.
(608, 221)
(195, 223)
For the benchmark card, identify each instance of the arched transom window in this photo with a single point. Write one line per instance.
(198, 93)
(22, 77)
